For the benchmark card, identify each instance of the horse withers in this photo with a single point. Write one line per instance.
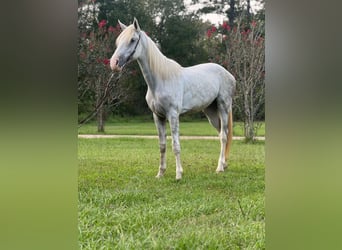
(174, 90)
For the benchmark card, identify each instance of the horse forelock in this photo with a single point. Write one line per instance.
(126, 35)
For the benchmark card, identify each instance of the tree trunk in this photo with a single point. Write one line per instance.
(248, 122)
(248, 11)
(231, 12)
(100, 119)
(100, 111)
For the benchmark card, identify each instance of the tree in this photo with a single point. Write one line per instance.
(241, 49)
(180, 40)
(96, 92)
(231, 13)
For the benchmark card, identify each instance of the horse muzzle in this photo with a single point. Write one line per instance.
(115, 65)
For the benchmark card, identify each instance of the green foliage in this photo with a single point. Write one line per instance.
(180, 38)
(122, 205)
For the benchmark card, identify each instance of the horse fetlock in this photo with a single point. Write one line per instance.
(179, 175)
(221, 167)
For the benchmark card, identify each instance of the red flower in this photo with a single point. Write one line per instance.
(213, 28)
(111, 29)
(226, 26)
(102, 23)
(106, 61)
(209, 33)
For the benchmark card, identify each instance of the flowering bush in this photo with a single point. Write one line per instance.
(241, 50)
(96, 46)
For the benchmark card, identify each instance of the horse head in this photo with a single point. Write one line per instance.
(127, 45)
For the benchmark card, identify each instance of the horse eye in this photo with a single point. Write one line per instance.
(132, 40)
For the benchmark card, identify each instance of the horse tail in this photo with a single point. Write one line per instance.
(230, 134)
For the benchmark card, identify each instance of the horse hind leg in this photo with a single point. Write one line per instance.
(218, 119)
(211, 113)
(225, 139)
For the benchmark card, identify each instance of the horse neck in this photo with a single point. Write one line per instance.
(146, 70)
(154, 65)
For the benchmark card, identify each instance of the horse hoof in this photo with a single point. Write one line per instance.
(161, 173)
(219, 171)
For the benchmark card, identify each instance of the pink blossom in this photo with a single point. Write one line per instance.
(111, 29)
(253, 23)
(213, 28)
(226, 26)
(102, 23)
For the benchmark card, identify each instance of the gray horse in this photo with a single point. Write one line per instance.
(174, 90)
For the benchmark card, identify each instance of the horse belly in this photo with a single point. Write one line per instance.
(199, 96)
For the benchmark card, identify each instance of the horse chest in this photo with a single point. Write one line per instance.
(160, 103)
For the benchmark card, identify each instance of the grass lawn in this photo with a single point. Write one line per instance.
(138, 127)
(123, 206)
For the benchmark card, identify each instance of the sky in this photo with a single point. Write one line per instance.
(212, 17)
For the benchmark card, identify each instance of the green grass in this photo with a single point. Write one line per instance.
(123, 206)
(138, 127)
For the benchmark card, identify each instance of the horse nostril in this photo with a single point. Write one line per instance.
(116, 62)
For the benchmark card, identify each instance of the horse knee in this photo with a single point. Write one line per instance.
(176, 148)
(223, 136)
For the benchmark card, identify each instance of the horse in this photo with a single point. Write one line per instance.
(174, 90)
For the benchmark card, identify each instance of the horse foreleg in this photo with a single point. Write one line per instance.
(223, 139)
(161, 127)
(174, 125)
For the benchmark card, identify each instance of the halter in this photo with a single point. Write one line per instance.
(136, 45)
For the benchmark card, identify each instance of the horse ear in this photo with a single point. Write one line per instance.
(136, 24)
(122, 26)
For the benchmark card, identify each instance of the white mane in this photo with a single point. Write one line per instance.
(160, 65)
